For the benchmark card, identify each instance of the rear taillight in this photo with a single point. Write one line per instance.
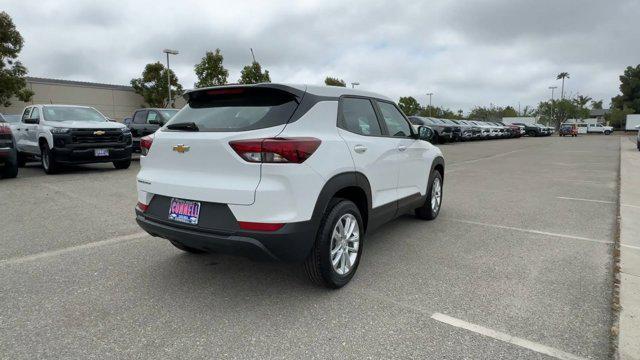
(142, 207)
(276, 150)
(5, 129)
(145, 144)
(253, 226)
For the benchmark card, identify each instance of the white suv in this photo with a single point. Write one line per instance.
(287, 172)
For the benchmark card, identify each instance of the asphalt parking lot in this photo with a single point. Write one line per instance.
(520, 255)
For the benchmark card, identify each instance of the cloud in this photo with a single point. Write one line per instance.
(468, 53)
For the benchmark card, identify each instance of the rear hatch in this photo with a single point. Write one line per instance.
(190, 157)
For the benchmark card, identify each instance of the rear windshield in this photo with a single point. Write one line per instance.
(71, 113)
(236, 109)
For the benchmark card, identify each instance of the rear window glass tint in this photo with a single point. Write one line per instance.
(237, 109)
(359, 117)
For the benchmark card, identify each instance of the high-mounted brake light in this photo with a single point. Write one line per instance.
(276, 150)
(225, 91)
(244, 225)
(145, 144)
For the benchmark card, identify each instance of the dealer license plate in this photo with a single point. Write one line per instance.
(184, 211)
(101, 152)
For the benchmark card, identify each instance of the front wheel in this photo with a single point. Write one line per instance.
(431, 207)
(607, 132)
(49, 163)
(336, 253)
(121, 165)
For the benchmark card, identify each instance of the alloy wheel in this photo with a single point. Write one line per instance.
(345, 242)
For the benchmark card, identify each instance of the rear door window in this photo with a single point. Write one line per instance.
(237, 109)
(358, 116)
(139, 117)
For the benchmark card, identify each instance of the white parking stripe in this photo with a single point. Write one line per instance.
(46, 254)
(632, 206)
(590, 200)
(573, 237)
(534, 346)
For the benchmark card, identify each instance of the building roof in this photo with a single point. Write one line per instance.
(39, 80)
(599, 112)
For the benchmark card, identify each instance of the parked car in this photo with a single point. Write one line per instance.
(147, 121)
(443, 132)
(532, 130)
(568, 129)
(70, 134)
(503, 131)
(468, 131)
(264, 170)
(488, 132)
(515, 131)
(599, 128)
(8, 152)
(127, 121)
(457, 129)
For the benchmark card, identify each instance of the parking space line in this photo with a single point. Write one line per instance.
(589, 200)
(573, 237)
(527, 344)
(632, 206)
(47, 254)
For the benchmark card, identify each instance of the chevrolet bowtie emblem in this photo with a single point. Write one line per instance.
(181, 148)
(99, 132)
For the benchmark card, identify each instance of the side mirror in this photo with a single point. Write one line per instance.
(32, 121)
(425, 133)
(154, 122)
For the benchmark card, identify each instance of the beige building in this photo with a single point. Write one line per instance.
(114, 101)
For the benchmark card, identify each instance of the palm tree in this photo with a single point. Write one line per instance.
(562, 76)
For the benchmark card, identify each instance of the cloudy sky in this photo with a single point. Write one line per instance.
(468, 53)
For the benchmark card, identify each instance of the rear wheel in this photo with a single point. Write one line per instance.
(336, 253)
(186, 248)
(10, 169)
(49, 163)
(121, 165)
(431, 207)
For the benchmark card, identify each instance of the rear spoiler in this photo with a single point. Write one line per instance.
(299, 94)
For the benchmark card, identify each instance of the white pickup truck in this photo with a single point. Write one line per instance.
(599, 128)
(69, 134)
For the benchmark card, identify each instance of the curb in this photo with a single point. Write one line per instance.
(629, 251)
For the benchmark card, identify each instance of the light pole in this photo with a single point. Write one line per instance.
(430, 95)
(169, 52)
(354, 84)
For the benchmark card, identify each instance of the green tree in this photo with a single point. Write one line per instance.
(12, 72)
(555, 112)
(153, 85)
(409, 105)
(492, 113)
(581, 101)
(618, 117)
(331, 81)
(630, 89)
(596, 104)
(252, 74)
(562, 75)
(210, 71)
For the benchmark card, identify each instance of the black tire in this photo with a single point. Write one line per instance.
(436, 138)
(531, 133)
(22, 159)
(426, 211)
(48, 160)
(186, 248)
(607, 132)
(10, 169)
(121, 165)
(318, 265)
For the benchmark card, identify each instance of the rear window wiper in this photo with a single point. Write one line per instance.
(185, 126)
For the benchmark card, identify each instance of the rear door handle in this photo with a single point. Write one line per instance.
(359, 149)
(402, 148)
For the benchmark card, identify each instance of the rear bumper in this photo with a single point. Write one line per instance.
(87, 156)
(291, 243)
